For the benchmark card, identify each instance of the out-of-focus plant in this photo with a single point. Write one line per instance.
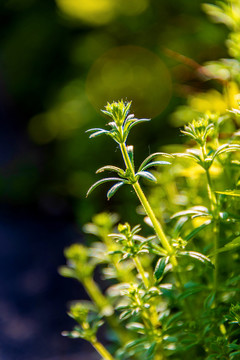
(174, 290)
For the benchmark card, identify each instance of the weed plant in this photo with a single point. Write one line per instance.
(174, 292)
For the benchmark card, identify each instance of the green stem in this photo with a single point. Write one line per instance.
(102, 350)
(95, 294)
(214, 210)
(156, 224)
(104, 306)
(141, 196)
(141, 271)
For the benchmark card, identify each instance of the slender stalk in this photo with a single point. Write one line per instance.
(213, 206)
(103, 305)
(141, 271)
(95, 293)
(102, 350)
(140, 194)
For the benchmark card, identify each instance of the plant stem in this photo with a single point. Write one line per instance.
(102, 350)
(141, 196)
(104, 306)
(214, 210)
(95, 293)
(141, 271)
(156, 224)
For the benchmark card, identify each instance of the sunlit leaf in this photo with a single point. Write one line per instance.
(136, 122)
(229, 192)
(155, 163)
(150, 157)
(114, 189)
(147, 175)
(198, 256)
(110, 168)
(97, 132)
(102, 181)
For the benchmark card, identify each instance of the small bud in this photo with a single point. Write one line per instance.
(118, 111)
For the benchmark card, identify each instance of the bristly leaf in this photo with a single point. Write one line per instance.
(147, 175)
(114, 189)
(102, 181)
(150, 157)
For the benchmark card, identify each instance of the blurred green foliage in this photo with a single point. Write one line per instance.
(62, 60)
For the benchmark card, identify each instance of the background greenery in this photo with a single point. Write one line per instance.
(61, 61)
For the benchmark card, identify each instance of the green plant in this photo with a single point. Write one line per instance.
(174, 289)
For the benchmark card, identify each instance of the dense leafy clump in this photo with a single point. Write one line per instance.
(174, 289)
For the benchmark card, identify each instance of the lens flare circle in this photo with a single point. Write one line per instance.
(131, 73)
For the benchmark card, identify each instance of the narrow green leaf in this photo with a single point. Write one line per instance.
(135, 326)
(226, 148)
(229, 192)
(201, 210)
(106, 112)
(114, 189)
(151, 350)
(67, 272)
(173, 318)
(197, 230)
(125, 314)
(110, 168)
(235, 354)
(147, 175)
(190, 291)
(133, 343)
(102, 181)
(160, 267)
(131, 154)
(188, 155)
(136, 122)
(155, 163)
(150, 157)
(94, 129)
(198, 256)
(209, 300)
(97, 132)
(232, 245)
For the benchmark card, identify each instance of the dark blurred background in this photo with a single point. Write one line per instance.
(60, 62)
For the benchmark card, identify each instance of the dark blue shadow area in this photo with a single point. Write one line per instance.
(33, 296)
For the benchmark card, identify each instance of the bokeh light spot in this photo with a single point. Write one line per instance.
(132, 73)
(91, 11)
(132, 7)
(100, 12)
